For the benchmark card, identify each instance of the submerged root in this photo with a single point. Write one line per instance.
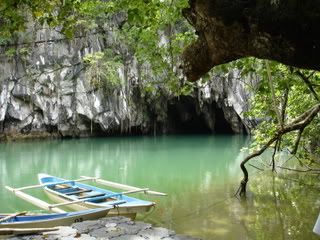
(243, 187)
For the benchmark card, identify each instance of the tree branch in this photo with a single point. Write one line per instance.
(284, 104)
(260, 169)
(296, 145)
(304, 115)
(309, 84)
(274, 154)
(297, 124)
(300, 170)
(274, 100)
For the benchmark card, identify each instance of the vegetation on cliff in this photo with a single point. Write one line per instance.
(286, 99)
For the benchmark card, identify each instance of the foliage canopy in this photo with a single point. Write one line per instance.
(287, 103)
(155, 33)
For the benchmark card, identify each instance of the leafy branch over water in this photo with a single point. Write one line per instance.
(286, 102)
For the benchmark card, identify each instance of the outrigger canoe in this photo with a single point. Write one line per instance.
(79, 196)
(50, 220)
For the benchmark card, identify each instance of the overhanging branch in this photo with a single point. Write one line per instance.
(299, 123)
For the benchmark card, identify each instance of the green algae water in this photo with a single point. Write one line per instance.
(199, 173)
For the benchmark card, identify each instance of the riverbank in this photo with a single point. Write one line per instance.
(115, 228)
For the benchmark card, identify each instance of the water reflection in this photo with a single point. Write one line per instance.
(200, 174)
(282, 207)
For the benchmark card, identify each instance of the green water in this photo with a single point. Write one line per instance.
(199, 173)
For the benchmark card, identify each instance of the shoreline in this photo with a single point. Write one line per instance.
(115, 228)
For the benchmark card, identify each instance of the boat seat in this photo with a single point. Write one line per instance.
(92, 196)
(102, 198)
(62, 190)
(79, 191)
(62, 184)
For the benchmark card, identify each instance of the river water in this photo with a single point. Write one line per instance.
(200, 173)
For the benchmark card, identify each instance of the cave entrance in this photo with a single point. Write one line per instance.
(185, 117)
(221, 126)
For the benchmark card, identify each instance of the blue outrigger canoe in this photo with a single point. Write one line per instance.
(79, 196)
(50, 220)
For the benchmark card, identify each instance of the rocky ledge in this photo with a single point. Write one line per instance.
(115, 228)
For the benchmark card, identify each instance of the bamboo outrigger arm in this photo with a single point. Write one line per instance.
(122, 186)
(33, 200)
(100, 197)
(52, 184)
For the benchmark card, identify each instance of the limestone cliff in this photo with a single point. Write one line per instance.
(44, 92)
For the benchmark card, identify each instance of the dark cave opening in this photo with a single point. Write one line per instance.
(185, 117)
(221, 124)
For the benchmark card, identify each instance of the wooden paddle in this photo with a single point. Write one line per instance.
(12, 216)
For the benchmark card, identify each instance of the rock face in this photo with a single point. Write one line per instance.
(281, 30)
(218, 106)
(44, 92)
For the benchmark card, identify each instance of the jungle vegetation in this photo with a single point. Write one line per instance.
(286, 99)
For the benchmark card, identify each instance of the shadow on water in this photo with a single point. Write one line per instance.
(199, 172)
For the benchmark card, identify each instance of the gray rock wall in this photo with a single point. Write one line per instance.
(44, 92)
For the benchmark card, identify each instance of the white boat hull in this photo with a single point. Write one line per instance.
(128, 211)
(63, 221)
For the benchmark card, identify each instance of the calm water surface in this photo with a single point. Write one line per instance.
(199, 173)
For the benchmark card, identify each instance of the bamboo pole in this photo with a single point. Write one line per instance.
(35, 201)
(88, 198)
(12, 216)
(122, 186)
(51, 184)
